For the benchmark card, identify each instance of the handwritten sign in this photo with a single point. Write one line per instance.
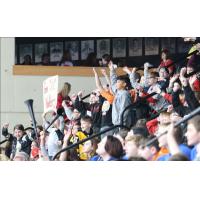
(50, 91)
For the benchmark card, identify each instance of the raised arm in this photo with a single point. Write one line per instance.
(172, 144)
(113, 77)
(68, 110)
(63, 155)
(189, 94)
(103, 71)
(97, 80)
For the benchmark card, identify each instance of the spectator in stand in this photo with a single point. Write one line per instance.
(149, 151)
(91, 60)
(55, 138)
(63, 95)
(92, 109)
(106, 58)
(80, 134)
(163, 142)
(166, 61)
(90, 147)
(66, 59)
(45, 59)
(122, 99)
(193, 138)
(107, 100)
(21, 141)
(157, 102)
(27, 60)
(109, 149)
(132, 144)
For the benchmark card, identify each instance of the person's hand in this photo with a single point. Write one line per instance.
(157, 89)
(171, 131)
(44, 115)
(110, 65)
(6, 125)
(170, 108)
(126, 70)
(176, 87)
(182, 78)
(80, 94)
(59, 143)
(174, 78)
(134, 69)
(103, 71)
(42, 135)
(94, 70)
(67, 136)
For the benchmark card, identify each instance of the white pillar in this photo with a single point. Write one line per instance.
(7, 59)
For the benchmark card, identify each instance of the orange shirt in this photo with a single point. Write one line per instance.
(108, 96)
(163, 151)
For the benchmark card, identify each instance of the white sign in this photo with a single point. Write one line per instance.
(50, 92)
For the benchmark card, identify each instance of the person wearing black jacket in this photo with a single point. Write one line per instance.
(189, 96)
(92, 109)
(20, 141)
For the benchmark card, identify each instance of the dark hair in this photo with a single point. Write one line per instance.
(113, 147)
(66, 56)
(19, 127)
(87, 119)
(94, 142)
(178, 135)
(155, 143)
(123, 133)
(154, 74)
(178, 157)
(107, 57)
(140, 131)
(166, 69)
(137, 76)
(166, 51)
(91, 60)
(126, 80)
(40, 127)
(45, 55)
(73, 155)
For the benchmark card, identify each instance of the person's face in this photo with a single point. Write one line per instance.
(177, 86)
(104, 62)
(85, 125)
(101, 147)
(93, 98)
(120, 84)
(33, 145)
(163, 56)
(145, 153)
(18, 133)
(163, 73)
(189, 69)
(151, 81)
(174, 117)
(46, 60)
(76, 114)
(131, 149)
(193, 136)
(87, 147)
(164, 119)
(75, 129)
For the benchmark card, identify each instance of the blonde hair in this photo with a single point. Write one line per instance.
(65, 90)
(137, 139)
